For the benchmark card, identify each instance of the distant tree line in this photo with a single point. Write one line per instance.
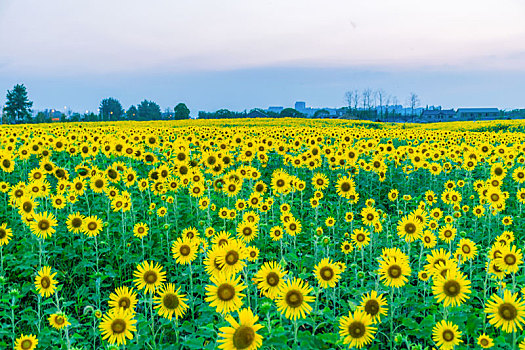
(376, 104)
(18, 110)
(227, 114)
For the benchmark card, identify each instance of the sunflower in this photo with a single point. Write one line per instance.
(429, 239)
(43, 225)
(292, 298)
(320, 181)
(5, 234)
(293, 227)
(369, 216)
(241, 335)
(58, 321)
(75, 222)
(26, 342)
(453, 289)
(409, 228)
(92, 226)
(169, 301)
(446, 335)
(360, 238)
(327, 273)
(231, 257)
(140, 230)
(345, 186)
(394, 272)
(123, 298)
(485, 341)
(98, 183)
(276, 233)
(116, 326)
(149, 276)
(44, 282)
(269, 278)
(510, 259)
(507, 313)
(393, 194)
(253, 253)
(221, 238)
(247, 231)
(225, 293)
(184, 250)
(374, 305)
(357, 330)
(467, 249)
(346, 247)
(447, 233)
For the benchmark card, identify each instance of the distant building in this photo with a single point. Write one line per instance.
(477, 113)
(300, 105)
(438, 114)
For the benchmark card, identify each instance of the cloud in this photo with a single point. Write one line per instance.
(98, 36)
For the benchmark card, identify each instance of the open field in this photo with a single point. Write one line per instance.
(274, 234)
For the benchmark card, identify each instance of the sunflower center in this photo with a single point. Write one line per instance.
(452, 288)
(356, 329)
(370, 217)
(484, 342)
(448, 335)
(76, 222)
(222, 242)
(465, 249)
(280, 183)
(170, 301)
(360, 237)
(410, 228)
(43, 225)
(226, 292)
(92, 226)
(293, 227)
(372, 307)
(3, 233)
(99, 183)
(345, 187)
(26, 344)
(27, 206)
(272, 279)
(59, 320)
(118, 326)
(243, 337)
(294, 298)
(510, 259)
(124, 303)
(494, 197)
(231, 257)
(45, 282)
(150, 277)
(394, 271)
(327, 273)
(184, 250)
(507, 311)
(247, 231)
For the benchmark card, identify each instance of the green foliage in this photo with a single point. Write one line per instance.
(17, 107)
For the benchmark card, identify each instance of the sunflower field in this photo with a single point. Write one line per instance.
(262, 234)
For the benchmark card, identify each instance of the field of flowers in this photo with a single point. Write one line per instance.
(265, 234)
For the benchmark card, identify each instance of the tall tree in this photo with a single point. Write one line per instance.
(291, 113)
(380, 96)
(413, 101)
(148, 110)
(110, 109)
(18, 107)
(132, 113)
(181, 111)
